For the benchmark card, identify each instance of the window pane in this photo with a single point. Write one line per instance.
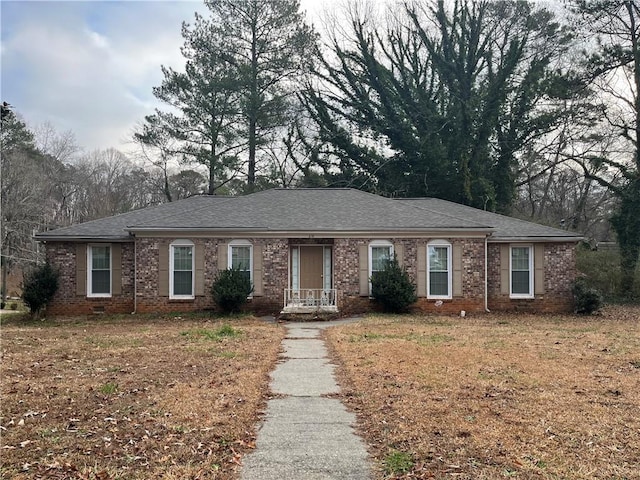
(182, 258)
(100, 281)
(439, 283)
(520, 283)
(379, 256)
(182, 283)
(520, 258)
(438, 261)
(100, 258)
(241, 257)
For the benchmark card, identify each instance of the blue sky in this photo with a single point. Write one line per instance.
(89, 67)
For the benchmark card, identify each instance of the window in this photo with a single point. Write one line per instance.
(181, 269)
(99, 271)
(380, 251)
(439, 270)
(241, 255)
(521, 260)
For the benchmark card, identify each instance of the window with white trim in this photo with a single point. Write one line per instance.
(99, 271)
(181, 269)
(241, 257)
(439, 269)
(380, 252)
(521, 271)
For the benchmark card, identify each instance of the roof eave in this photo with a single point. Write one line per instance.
(84, 238)
(458, 231)
(533, 238)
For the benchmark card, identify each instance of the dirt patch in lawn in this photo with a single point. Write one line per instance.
(496, 396)
(132, 398)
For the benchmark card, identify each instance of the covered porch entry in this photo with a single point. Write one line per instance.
(310, 279)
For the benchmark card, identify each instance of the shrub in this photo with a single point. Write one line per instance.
(601, 270)
(39, 287)
(230, 289)
(392, 288)
(587, 299)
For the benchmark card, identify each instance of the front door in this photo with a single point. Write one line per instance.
(311, 267)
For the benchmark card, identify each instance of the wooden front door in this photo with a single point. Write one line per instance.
(311, 267)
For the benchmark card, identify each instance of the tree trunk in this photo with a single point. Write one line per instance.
(3, 289)
(212, 166)
(253, 106)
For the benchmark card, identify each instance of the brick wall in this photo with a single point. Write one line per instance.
(67, 302)
(347, 279)
(275, 276)
(559, 275)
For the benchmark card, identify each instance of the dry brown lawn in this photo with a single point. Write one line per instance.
(496, 396)
(132, 398)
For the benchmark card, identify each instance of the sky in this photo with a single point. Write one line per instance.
(89, 66)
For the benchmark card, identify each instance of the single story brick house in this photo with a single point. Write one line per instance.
(308, 250)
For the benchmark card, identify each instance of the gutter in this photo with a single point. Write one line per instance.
(81, 239)
(486, 274)
(532, 239)
(135, 276)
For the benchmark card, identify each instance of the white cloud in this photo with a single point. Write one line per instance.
(89, 67)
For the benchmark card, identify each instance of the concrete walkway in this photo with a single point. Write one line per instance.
(304, 435)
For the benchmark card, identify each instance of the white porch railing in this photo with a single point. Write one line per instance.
(310, 299)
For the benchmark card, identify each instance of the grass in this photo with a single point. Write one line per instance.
(496, 396)
(225, 331)
(109, 388)
(119, 397)
(398, 462)
(175, 397)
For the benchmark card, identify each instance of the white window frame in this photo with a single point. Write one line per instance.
(530, 294)
(90, 270)
(447, 245)
(182, 243)
(240, 243)
(376, 244)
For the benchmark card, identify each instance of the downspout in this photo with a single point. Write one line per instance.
(135, 276)
(486, 275)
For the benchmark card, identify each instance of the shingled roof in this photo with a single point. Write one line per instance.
(505, 228)
(320, 210)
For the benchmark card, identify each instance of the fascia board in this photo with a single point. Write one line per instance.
(82, 239)
(549, 239)
(247, 233)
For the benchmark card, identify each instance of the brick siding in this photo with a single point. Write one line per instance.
(559, 276)
(62, 255)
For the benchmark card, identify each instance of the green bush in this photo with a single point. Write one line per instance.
(601, 270)
(587, 299)
(230, 289)
(392, 288)
(39, 287)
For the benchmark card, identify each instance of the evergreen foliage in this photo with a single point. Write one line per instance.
(230, 289)
(391, 287)
(443, 99)
(242, 63)
(39, 287)
(614, 23)
(587, 299)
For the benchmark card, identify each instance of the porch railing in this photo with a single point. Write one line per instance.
(310, 298)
